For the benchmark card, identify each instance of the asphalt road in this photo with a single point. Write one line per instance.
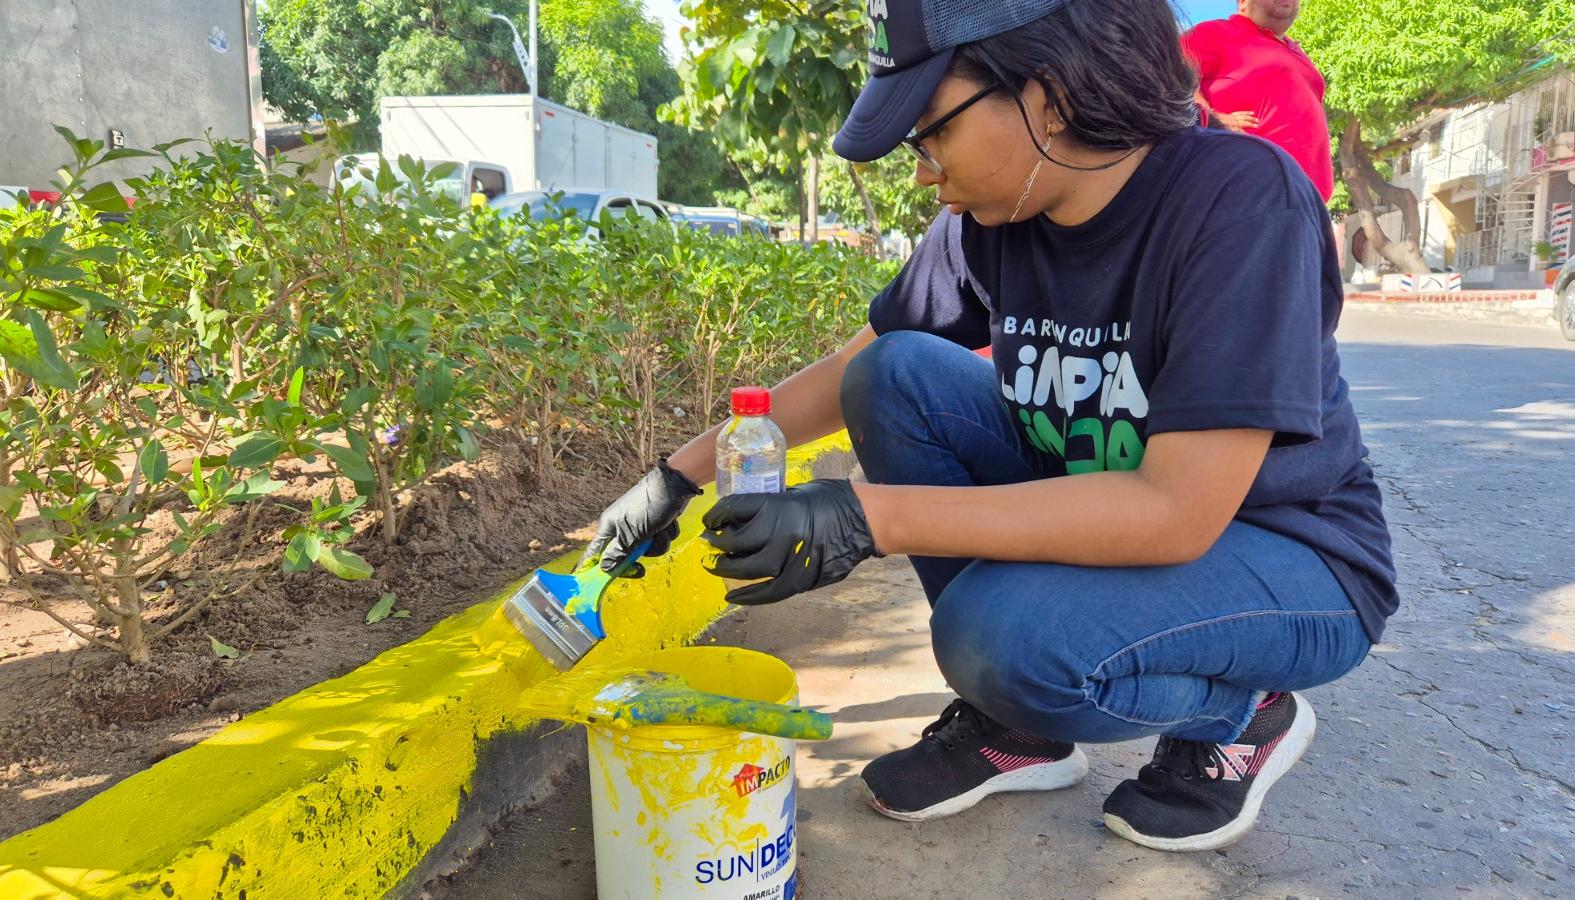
(1442, 767)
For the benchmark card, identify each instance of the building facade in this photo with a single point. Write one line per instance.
(1495, 184)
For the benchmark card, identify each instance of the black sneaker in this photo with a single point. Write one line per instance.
(962, 758)
(1197, 796)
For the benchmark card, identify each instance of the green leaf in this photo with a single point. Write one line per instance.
(357, 399)
(223, 650)
(297, 381)
(106, 255)
(469, 449)
(343, 563)
(154, 461)
(52, 298)
(257, 449)
(54, 273)
(32, 349)
(780, 48)
(170, 145)
(302, 551)
(382, 609)
(125, 153)
(105, 198)
(351, 465)
(260, 484)
(109, 470)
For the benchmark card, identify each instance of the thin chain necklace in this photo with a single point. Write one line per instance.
(1026, 189)
(1044, 154)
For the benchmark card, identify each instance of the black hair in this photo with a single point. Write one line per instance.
(1112, 68)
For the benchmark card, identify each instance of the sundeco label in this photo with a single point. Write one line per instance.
(762, 861)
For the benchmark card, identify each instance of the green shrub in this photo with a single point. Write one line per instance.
(239, 316)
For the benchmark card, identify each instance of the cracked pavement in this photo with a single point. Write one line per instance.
(1442, 767)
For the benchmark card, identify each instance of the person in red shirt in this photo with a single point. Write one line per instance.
(1254, 79)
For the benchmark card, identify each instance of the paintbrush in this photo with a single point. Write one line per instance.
(561, 614)
(636, 698)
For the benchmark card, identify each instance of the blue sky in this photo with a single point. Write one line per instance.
(1202, 10)
(666, 12)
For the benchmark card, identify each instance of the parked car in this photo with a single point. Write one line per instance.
(586, 204)
(724, 220)
(1565, 286)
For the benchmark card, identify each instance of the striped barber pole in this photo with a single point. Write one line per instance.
(1559, 230)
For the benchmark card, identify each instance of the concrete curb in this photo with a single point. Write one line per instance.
(361, 786)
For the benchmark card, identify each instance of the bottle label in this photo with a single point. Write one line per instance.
(755, 483)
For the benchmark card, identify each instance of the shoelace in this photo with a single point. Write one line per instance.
(1186, 759)
(958, 718)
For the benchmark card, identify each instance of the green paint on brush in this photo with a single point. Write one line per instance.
(633, 698)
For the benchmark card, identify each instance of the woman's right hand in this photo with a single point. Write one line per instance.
(649, 510)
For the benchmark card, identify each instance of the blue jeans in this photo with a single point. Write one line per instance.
(1078, 653)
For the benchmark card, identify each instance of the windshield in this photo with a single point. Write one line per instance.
(539, 203)
(352, 167)
(715, 226)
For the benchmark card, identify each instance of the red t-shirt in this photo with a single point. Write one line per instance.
(1242, 67)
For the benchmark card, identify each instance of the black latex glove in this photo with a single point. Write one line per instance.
(650, 509)
(807, 537)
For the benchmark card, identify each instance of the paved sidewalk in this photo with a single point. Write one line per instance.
(1530, 313)
(1442, 767)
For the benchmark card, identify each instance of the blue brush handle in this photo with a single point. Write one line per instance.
(591, 582)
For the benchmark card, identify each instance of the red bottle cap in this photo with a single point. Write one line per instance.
(751, 401)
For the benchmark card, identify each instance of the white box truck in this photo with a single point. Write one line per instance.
(542, 145)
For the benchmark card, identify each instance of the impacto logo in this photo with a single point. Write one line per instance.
(751, 778)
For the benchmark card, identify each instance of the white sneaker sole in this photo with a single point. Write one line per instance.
(1052, 776)
(1296, 742)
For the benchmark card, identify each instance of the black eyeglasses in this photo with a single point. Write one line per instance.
(915, 139)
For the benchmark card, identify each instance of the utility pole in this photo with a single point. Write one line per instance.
(526, 58)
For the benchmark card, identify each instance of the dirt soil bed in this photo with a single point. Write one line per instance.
(75, 720)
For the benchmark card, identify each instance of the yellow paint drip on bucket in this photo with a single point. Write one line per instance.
(698, 812)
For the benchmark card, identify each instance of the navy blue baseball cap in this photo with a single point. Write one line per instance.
(911, 46)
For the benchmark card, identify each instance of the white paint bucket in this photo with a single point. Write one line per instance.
(693, 811)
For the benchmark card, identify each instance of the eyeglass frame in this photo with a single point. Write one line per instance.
(916, 138)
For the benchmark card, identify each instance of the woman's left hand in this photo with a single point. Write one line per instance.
(807, 537)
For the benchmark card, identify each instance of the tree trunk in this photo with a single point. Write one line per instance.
(544, 454)
(1361, 176)
(813, 202)
(383, 492)
(10, 561)
(869, 210)
(803, 195)
(133, 630)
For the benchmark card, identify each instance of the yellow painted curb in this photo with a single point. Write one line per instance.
(340, 790)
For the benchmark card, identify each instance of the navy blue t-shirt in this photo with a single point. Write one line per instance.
(1204, 296)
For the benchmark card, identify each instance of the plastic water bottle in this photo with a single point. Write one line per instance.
(751, 452)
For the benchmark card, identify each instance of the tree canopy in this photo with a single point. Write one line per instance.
(336, 58)
(1390, 62)
(774, 78)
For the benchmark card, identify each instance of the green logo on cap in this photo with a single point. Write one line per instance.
(878, 40)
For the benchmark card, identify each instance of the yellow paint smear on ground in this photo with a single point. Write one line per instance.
(342, 789)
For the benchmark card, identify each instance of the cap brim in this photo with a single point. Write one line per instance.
(887, 109)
